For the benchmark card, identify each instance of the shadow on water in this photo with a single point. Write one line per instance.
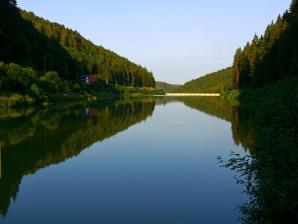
(33, 139)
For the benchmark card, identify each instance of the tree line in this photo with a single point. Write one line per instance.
(22, 86)
(32, 41)
(270, 57)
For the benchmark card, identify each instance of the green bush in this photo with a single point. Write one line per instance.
(231, 96)
(76, 88)
(16, 81)
(51, 81)
(14, 77)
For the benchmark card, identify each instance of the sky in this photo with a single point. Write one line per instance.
(178, 40)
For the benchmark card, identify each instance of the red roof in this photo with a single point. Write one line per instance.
(92, 78)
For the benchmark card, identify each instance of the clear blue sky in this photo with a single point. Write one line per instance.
(177, 40)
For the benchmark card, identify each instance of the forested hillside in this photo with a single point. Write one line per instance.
(266, 73)
(270, 57)
(166, 86)
(31, 41)
(212, 83)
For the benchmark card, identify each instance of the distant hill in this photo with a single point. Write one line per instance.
(212, 83)
(166, 86)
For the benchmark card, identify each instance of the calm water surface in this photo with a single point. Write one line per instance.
(143, 161)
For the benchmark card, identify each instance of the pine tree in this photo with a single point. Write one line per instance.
(294, 7)
(236, 68)
(271, 57)
(9, 2)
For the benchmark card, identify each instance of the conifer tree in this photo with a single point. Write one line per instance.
(9, 2)
(271, 57)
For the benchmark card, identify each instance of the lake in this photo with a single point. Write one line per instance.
(151, 160)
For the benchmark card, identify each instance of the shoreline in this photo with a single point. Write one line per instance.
(193, 94)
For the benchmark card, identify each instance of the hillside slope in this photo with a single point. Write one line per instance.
(29, 40)
(166, 86)
(212, 83)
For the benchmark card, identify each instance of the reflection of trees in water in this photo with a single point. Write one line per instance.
(214, 106)
(242, 128)
(269, 133)
(34, 140)
(209, 105)
(270, 174)
(269, 130)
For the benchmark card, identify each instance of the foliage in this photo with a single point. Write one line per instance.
(231, 96)
(271, 57)
(266, 122)
(167, 87)
(52, 81)
(44, 88)
(212, 83)
(139, 91)
(31, 41)
(9, 2)
(267, 125)
(16, 100)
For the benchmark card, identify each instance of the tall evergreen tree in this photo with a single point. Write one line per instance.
(9, 2)
(236, 68)
(271, 57)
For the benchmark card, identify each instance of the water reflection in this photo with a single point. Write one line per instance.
(269, 173)
(269, 132)
(33, 139)
(240, 118)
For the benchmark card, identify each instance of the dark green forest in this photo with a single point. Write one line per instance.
(212, 83)
(265, 124)
(89, 58)
(44, 61)
(266, 73)
(267, 59)
(271, 57)
(37, 46)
